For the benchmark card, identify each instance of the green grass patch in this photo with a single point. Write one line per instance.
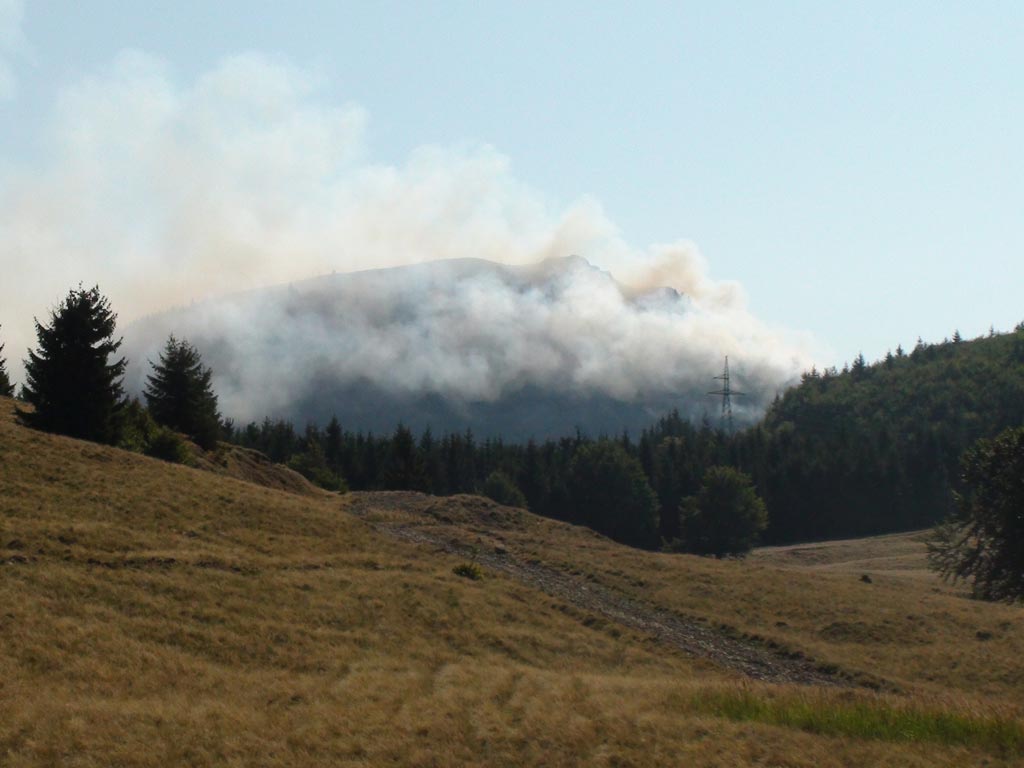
(867, 719)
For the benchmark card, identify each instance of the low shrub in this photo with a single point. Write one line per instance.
(168, 445)
(141, 434)
(469, 571)
(499, 487)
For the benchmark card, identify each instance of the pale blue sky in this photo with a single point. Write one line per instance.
(858, 168)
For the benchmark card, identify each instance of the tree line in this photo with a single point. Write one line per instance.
(641, 492)
(873, 448)
(74, 385)
(869, 449)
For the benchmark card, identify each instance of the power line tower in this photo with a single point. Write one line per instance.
(726, 393)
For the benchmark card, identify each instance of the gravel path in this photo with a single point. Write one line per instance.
(753, 659)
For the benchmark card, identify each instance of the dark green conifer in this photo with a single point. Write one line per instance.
(611, 494)
(70, 381)
(179, 394)
(404, 470)
(332, 444)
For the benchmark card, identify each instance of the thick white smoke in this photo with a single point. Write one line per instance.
(469, 330)
(165, 193)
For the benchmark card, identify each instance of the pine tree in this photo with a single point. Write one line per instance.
(70, 381)
(859, 368)
(6, 388)
(404, 469)
(179, 394)
(333, 444)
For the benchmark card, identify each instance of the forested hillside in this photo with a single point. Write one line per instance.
(869, 449)
(876, 448)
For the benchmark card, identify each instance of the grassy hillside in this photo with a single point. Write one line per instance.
(154, 614)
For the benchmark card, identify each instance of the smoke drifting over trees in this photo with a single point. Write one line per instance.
(168, 192)
(470, 332)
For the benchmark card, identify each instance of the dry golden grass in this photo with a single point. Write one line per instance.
(155, 615)
(905, 630)
(901, 554)
(253, 467)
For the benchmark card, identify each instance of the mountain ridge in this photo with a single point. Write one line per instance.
(533, 350)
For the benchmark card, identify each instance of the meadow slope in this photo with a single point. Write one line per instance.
(154, 614)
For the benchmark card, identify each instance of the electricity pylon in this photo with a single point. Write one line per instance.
(726, 393)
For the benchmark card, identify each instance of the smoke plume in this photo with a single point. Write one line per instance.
(170, 193)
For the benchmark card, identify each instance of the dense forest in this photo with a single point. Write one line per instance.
(870, 449)
(876, 448)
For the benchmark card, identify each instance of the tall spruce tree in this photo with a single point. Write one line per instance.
(6, 388)
(71, 382)
(179, 394)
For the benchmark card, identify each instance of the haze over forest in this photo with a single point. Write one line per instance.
(169, 180)
(518, 351)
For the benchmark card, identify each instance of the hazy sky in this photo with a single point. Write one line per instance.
(857, 168)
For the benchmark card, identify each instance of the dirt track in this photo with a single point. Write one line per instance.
(418, 523)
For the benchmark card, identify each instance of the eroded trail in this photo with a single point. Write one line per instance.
(412, 517)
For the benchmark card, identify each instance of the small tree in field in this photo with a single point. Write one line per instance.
(500, 487)
(726, 516)
(984, 540)
(70, 380)
(6, 388)
(179, 395)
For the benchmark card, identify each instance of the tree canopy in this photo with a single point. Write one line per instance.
(610, 493)
(501, 488)
(984, 541)
(180, 396)
(725, 518)
(839, 455)
(71, 382)
(877, 449)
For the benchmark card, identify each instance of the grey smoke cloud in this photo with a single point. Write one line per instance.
(167, 192)
(470, 331)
